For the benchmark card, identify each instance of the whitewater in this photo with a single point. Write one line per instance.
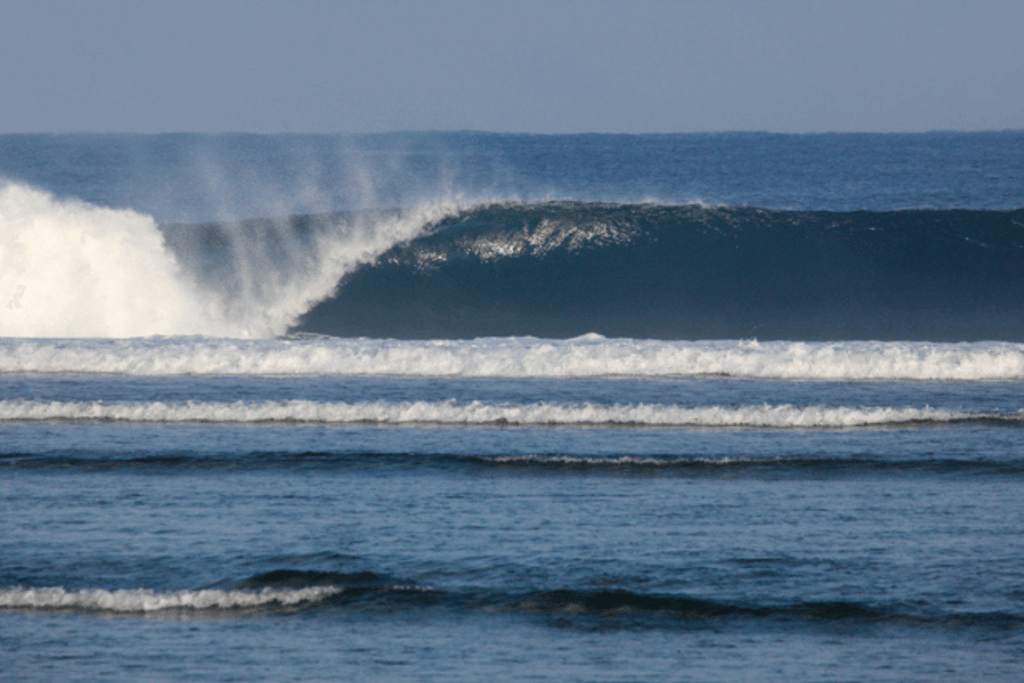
(590, 356)
(455, 413)
(142, 600)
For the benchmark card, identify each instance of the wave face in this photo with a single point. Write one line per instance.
(563, 269)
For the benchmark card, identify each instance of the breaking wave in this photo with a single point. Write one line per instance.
(457, 270)
(625, 607)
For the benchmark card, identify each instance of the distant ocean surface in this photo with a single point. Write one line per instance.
(483, 406)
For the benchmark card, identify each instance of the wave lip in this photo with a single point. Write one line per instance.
(457, 413)
(523, 357)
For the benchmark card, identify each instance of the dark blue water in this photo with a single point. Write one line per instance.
(315, 508)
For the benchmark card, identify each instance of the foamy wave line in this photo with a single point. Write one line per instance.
(588, 356)
(453, 412)
(145, 600)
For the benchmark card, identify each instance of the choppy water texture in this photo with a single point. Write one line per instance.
(199, 480)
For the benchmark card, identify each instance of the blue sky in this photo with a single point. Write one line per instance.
(543, 67)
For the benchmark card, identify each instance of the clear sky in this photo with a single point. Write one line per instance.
(525, 66)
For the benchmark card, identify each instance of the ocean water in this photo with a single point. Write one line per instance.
(475, 406)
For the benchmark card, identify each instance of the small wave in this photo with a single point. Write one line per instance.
(456, 413)
(612, 607)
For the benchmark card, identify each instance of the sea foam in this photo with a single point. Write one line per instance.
(588, 356)
(453, 412)
(140, 600)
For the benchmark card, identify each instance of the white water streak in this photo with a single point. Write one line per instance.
(589, 356)
(453, 412)
(144, 600)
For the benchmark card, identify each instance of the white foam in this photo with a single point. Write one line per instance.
(587, 356)
(69, 269)
(452, 412)
(145, 600)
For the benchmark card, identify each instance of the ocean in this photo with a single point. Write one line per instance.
(479, 406)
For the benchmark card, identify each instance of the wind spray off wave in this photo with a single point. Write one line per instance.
(70, 269)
